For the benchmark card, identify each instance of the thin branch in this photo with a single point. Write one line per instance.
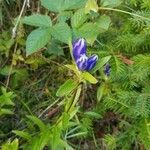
(14, 30)
(125, 12)
(11, 66)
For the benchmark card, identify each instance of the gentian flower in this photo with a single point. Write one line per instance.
(83, 62)
(107, 69)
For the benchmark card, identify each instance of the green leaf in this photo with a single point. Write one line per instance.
(41, 140)
(101, 91)
(6, 98)
(65, 120)
(4, 111)
(67, 87)
(38, 122)
(38, 20)
(6, 70)
(55, 48)
(100, 63)
(89, 31)
(64, 16)
(103, 23)
(22, 134)
(110, 3)
(56, 137)
(62, 32)
(93, 114)
(61, 5)
(19, 77)
(87, 76)
(11, 145)
(78, 18)
(37, 39)
(91, 5)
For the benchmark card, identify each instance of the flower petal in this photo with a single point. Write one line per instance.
(82, 62)
(107, 69)
(79, 48)
(91, 62)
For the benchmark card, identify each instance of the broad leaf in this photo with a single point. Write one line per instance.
(62, 32)
(61, 5)
(103, 23)
(78, 18)
(55, 48)
(67, 87)
(88, 77)
(89, 31)
(37, 39)
(38, 20)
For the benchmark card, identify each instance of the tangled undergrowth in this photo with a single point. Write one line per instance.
(51, 99)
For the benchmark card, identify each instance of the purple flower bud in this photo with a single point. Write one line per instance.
(107, 69)
(83, 62)
(91, 62)
(79, 48)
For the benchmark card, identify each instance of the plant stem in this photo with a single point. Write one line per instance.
(19, 17)
(125, 12)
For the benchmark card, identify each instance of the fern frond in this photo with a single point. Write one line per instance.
(141, 67)
(145, 4)
(142, 107)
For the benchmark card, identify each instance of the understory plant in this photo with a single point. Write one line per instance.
(75, 74)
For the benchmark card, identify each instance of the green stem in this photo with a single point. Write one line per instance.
(125, 12)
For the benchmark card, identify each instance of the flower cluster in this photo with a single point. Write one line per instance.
(83, 62)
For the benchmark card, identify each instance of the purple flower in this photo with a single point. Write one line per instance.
(83, 62)
(107, 69)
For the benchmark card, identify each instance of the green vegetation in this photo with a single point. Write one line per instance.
(46, 103)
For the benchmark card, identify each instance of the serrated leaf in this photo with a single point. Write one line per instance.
(103, 23)
(89, 31)
(66, 88)
(55, 48)
(100, 63)
(111, 3)
(61, 5)
(91, 5)
(64, 16)
(62, 32)
(38, 122)
(37, 39)
(78, 18)
(37, 20)
(88, 77)
(22, 134)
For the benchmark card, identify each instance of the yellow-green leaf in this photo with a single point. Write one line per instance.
(88, 77)
(91, 5)
(67, 87)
